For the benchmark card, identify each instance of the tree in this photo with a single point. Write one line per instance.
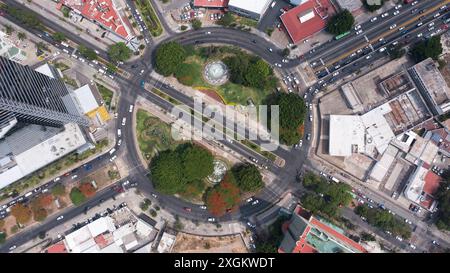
(141, 47)
(372, 5)
(65, 10)
(223, 196)
(340, 23)
(87, 52)
(39, 214)
(59, 190)
(257, 73)
(76, 196)
(396, 52)
(285, 52)
(168, 57)
(22, 36)
(87, 189)
(292, 113)
(21, 213)
(9, 29)
(167, 172)
(59, 37)
(29, 19)
(119, 52)
(443, 197)
(45, 200)
(226, 20)
(193, 156)
(184, 74)
(111, 68)
(183, 27)
(196, 24)
(430, 48)
(248, 177)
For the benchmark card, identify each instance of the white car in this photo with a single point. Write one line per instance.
(384, 14)
(414, 3)
(255, 202)
(396, 12)
(56, 179)
(126, 183)
(249, 200)
(60, 218)
(270, 49)
(119, 132)
(393, 26)
(359, 32)
(211, 219)
(113, 158)
(412, 246)
(203, 207)
(142, 72)
(119, 142)
(399, 238)
(74, 176)
(131, 108)
(208, 33)
(124, 121)
(382, 49)
(13, 247)
(373, 19)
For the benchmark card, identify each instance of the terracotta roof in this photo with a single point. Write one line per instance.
(297, 30)
(432, 182)
(211, 3)
(57, 248)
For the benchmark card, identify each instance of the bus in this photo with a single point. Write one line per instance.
(342, 35)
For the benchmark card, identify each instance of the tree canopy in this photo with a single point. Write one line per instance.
(168, 57)
(325, 198)
(21, 213)
(59, 36)
(224, 196)
(174, 171)
(87, 52)
(248, 177)
(384, 220)
(59, 190)
(292, 113)
(119, 52)
(196, 24)
(226, 20)
(2, 237)
(430, 48)
(340, 23)
(443, 197)
(76, 196)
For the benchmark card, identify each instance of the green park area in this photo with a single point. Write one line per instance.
(153, 135)
(251, 79)
(106, 95)
(149, 16)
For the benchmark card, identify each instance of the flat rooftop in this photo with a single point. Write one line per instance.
(433, 81)
(307, 19)
(255, 6)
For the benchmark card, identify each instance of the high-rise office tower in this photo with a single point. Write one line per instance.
(31, 97)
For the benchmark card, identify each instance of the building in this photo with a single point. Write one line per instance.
(305, 233)
(32, 97)
(421, 187)
(214, 4)
(307, 19)
(297, 2)
(371, 132)
(119, 232)
(254, 9)
(88, 103)
(350, 5)
(103, 12)
(432, 85)
(9, 50)
(31, 147)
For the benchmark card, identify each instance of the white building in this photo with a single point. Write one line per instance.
(9, 50)
(254, 9)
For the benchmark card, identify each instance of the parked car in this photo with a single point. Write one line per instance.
(211, 219)
(60, 218)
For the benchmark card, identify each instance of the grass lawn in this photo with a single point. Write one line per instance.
(106, 94)
(149, 16)
(245, 21)
(61, 66)
(230, 92)
(70, 81)
(153, 134)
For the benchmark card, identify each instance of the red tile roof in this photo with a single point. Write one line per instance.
(101, 11)
(432, 182)
(322, 10)
(211, 3)
(57, 248)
